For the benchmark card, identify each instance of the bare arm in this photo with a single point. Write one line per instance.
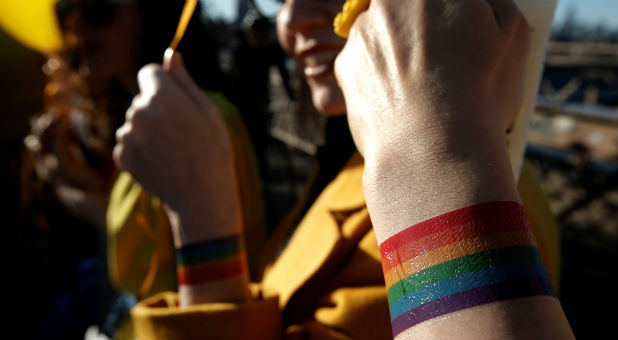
(431, 87)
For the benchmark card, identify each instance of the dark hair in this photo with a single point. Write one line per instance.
(198, 45)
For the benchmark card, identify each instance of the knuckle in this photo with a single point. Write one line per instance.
(136, 101)
(150, 77)
(148, 70)
(119, 156)
(129, 140)
(138, 117)
(156, 98)
(130, 112)
(128, 137)
(120, 134)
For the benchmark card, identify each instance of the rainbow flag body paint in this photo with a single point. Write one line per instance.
(465, 258)
(210, 261)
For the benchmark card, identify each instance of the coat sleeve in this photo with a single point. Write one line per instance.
(356, 306)
(160, 317)
(351, 304)
(351, 313)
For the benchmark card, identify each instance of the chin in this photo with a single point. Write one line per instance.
(328, 100)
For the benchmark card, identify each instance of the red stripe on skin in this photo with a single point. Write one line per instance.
(455, 250)
(454, 226)
(211, 271)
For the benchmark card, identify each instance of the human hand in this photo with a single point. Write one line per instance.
(175, 144)
(433, 71)
(430, 88)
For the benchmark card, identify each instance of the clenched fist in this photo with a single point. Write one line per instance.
(431, 87)
(175, 144)
(432, 71)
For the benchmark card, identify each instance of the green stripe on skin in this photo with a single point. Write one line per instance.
(224, 251)
(462, 265)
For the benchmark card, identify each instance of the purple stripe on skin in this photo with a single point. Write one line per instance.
(470, 298)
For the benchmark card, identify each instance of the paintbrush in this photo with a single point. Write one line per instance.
(185, 17)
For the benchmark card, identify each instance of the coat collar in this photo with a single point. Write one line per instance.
(319, 233)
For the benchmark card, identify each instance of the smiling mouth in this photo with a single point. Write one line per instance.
(319, 64)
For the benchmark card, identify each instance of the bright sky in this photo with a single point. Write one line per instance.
(589, 12)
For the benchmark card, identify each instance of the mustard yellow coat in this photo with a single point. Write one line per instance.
(327, 282)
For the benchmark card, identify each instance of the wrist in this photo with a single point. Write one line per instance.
(192, 225)
(465, 258)
(212, 271)
(406, 184)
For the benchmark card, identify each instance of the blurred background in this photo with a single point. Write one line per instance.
(573, 147)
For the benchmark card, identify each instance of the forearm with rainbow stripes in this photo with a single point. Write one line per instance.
(465, 258)
(210, 261)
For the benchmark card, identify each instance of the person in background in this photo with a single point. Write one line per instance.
(91, 85)
(324, 277)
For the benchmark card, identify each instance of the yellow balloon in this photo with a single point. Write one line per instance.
(32, 22)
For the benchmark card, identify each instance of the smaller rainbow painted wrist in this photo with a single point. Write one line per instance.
(211, 260)
(465, 258)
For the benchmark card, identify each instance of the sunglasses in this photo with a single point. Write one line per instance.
(98, 13)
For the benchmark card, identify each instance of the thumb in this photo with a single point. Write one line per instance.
(174, 65)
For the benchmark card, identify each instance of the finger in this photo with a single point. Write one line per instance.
(120, 151)
(177, 70)
(117, 155)
(155, 82)
(167, 58)
(508, 16)
(131, 110)
(151, 78)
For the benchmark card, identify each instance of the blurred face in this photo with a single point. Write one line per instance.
(305, 29)
(104, 34)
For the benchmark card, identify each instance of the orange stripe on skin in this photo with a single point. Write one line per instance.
(212, 271)
(442, 238)
(455, 250)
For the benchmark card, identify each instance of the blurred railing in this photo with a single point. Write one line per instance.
(578, 54)
(578, 99)
(585, 111)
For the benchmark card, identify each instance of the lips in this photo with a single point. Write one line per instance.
(320, 58)
(319, 63)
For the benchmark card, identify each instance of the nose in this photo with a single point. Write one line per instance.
(303, 15)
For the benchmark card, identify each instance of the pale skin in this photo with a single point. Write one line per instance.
(421, 118)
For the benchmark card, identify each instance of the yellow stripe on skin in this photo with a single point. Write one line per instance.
(345, 19)
(456, 250)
